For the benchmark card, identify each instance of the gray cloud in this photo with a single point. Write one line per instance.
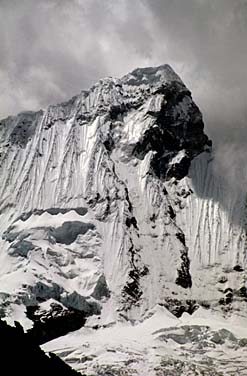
(206, 41)
(50, 50)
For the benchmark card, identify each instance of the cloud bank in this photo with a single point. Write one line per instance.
(52, 49)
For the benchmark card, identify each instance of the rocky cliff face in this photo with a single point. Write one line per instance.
(110, 206)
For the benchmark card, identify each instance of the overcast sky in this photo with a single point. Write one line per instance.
(52, 49)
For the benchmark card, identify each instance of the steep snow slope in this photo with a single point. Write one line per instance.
(110, 206)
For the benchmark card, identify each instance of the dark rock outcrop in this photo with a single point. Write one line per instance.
(173, 133)
(21, 356)
(57, 322)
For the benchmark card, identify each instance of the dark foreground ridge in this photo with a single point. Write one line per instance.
(20, 356)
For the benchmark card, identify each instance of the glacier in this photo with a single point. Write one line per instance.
(111, 215)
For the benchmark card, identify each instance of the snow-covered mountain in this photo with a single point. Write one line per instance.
(111, 213)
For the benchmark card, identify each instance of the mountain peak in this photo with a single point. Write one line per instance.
(151, 76)
(109, 207)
